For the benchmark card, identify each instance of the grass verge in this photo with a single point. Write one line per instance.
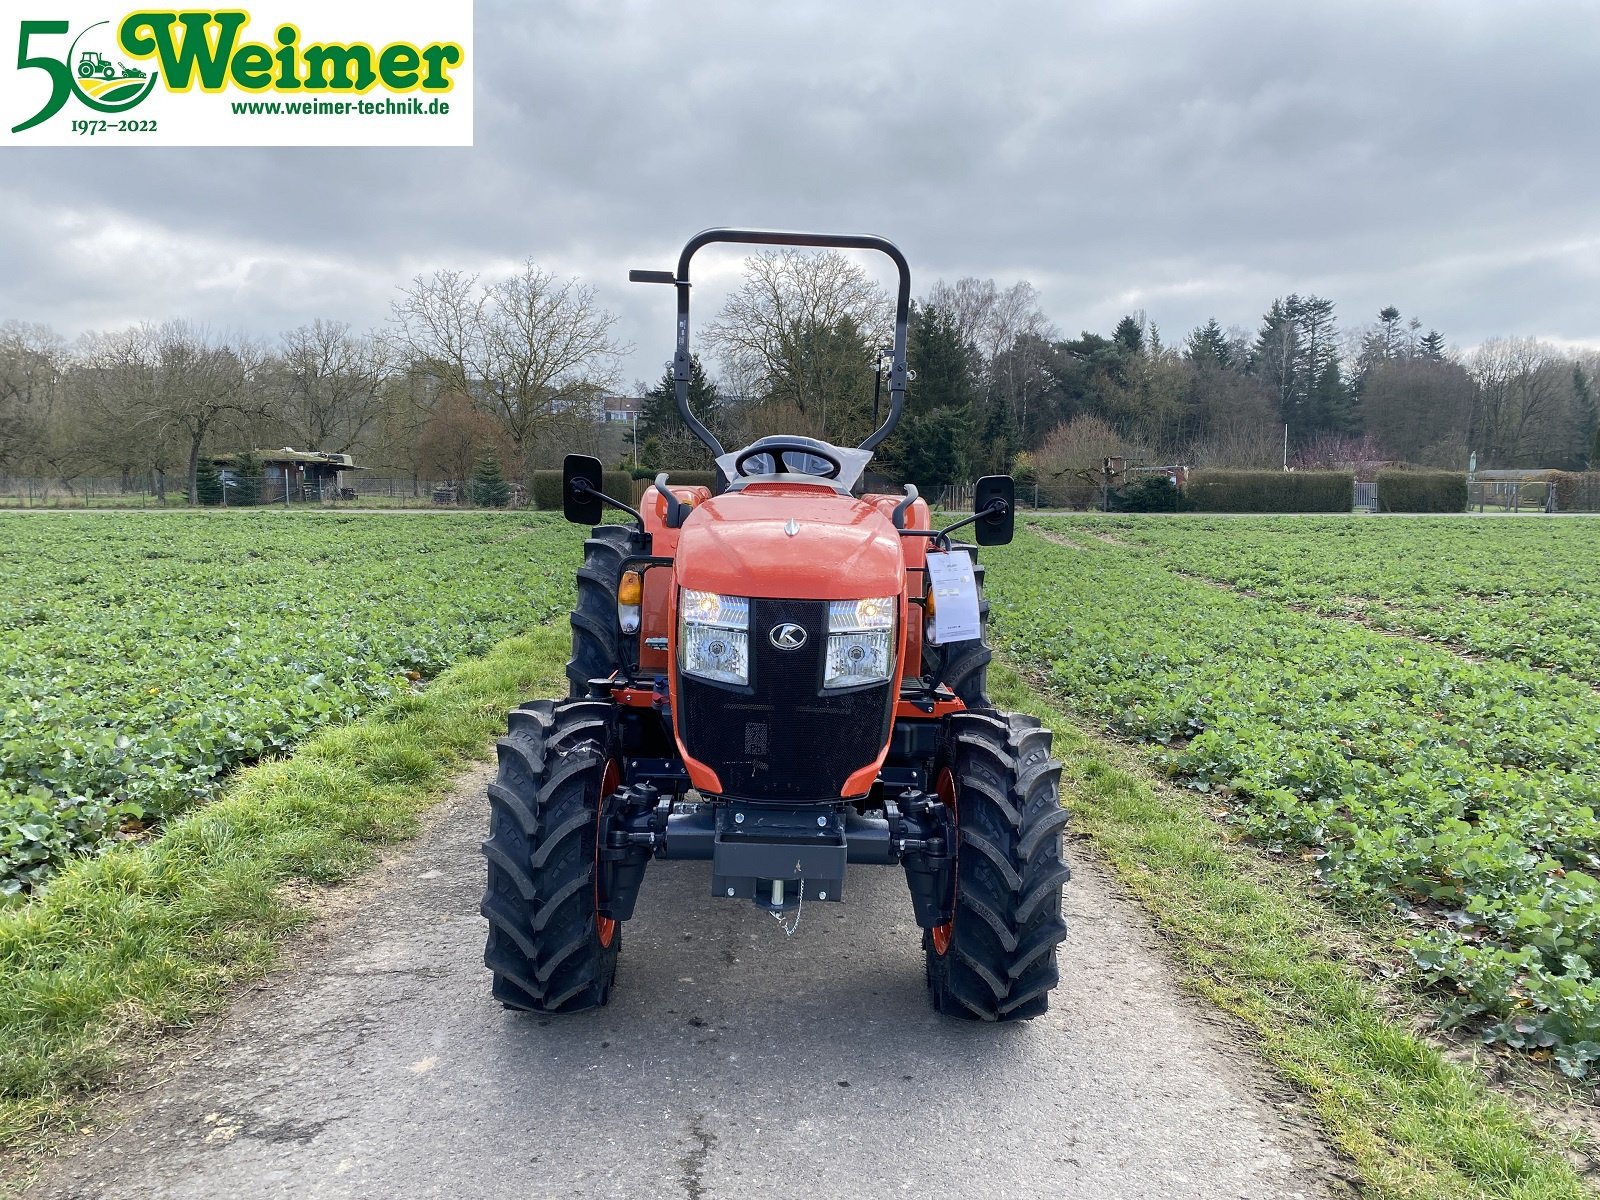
(1245, 935)
(154, 934)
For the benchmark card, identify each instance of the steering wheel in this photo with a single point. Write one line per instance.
(777, 447)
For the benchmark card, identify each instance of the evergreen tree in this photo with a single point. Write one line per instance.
(659, 420)
(1296, 352)
(1208, 345)
(1586, 414)
(247, 477)
(1129, 334)
(207, 482)
(934, 444)
(1431, 347)
(488, 488)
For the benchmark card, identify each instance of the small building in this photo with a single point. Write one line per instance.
(621, 408)
(300, 474)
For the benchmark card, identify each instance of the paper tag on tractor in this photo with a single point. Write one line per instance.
(955, 598)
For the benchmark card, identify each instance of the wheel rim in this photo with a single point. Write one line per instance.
(604, 927)
(945, 788)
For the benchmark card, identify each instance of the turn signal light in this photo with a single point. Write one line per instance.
(630, 590)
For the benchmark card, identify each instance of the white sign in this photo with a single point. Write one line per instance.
(283, 73)
(954, 589)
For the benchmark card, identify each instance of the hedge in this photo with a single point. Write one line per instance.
(544, 488)
(1578, 491)
(1271, 491)
(1422, 491)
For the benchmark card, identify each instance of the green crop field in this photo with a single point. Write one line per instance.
(1408, 705)
(1450, 768)
(143, 657)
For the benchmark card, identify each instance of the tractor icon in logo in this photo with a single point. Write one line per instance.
(102, 83)
(94, 63)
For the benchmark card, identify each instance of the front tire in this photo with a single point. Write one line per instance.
(549, 949)
(996, 960)
(595, 653)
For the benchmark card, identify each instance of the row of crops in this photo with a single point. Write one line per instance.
(1462, 790)
(1524, 591)
(142, 658)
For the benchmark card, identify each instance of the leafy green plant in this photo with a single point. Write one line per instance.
(144, 660)
(1462, 794)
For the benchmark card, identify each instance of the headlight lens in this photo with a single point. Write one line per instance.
(858, 658)
(860, 641)
(713, 636)
(854, 616)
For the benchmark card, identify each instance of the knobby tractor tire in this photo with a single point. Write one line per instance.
(996, 961)
(595, 654)
(963, 667)
(547, 948)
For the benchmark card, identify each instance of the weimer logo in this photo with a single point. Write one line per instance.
(88, 72)
(226, 77)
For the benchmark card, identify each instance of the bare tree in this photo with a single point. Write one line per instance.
(174, 383)
(800, 334)
(1523, 384)
(33, 366)
(522, 348)
(1420, 409)
(330, 385)
(1071, 460)
(1010, 334)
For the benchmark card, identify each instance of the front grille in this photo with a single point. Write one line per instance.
(783, 737)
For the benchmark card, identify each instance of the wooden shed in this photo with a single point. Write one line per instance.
(299, 474)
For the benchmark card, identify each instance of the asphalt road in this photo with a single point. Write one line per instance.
(731, 1062)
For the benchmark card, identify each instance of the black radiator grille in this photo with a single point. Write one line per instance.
(783, 738)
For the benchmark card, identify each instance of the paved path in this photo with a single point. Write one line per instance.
(731, 1062)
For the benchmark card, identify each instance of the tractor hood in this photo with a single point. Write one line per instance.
(741, 544)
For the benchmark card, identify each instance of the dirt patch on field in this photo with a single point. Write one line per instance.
(1059, 539)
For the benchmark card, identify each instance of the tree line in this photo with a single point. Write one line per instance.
(517, 367)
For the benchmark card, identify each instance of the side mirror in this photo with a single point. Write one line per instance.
(581, 505)
(996, 528)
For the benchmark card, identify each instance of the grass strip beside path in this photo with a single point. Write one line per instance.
(154, 934)
(1245, 935)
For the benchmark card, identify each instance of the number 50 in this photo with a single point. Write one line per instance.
(60, 76)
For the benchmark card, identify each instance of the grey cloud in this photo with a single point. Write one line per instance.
(1190, 160)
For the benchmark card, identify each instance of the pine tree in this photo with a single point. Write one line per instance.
(488, 488)
(1208, 345)
(935, 444)
(1431, 347)
(1129, 334)
(247, 477)
(659, 420)
(207, 482)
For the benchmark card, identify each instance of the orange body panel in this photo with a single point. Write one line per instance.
(843, 548)
(736, 544)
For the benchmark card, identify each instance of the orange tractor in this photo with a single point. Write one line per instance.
(784, 677)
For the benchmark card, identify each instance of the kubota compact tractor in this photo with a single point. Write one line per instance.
(781, 676)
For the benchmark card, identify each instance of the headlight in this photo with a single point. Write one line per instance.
(713, 636)
(860, 641)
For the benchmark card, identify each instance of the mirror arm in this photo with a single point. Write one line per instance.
(581, 486)
(995, 508)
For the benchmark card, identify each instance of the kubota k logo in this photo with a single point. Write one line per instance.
(93, 71)
(787, 636)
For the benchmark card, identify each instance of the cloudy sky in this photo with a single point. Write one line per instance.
(1189, 160)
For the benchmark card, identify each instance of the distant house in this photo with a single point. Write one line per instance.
(621, 408)
(299, 474)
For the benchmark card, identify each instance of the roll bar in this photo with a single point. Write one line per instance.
(767, 237)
